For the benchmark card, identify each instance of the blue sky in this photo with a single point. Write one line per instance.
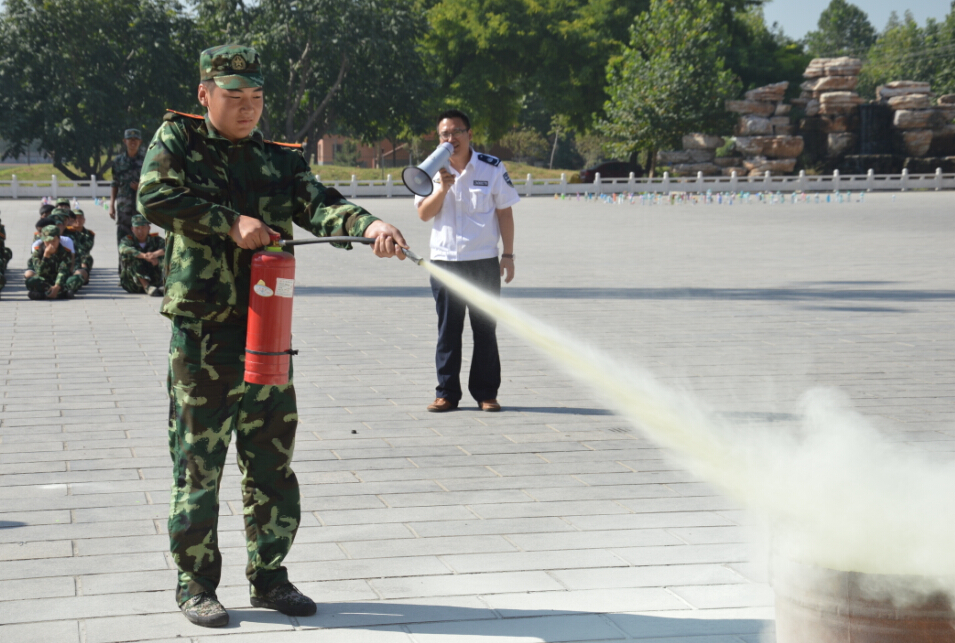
(799, 16)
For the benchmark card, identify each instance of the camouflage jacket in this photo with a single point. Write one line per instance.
(196, 183)
(4, 253)
(129, 247)
(126, 170)
(83, 241)
(54, 270)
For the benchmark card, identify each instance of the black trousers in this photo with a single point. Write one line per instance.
(485, 378)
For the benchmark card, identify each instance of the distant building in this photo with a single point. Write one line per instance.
(33, 155)
(330, 147)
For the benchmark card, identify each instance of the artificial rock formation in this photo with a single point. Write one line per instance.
(831, 104)
(764, 133)
(921, 128)
(698, 155)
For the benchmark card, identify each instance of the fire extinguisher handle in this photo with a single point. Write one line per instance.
(274, 237)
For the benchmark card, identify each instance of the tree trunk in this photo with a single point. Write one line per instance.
(319, 111)
(651, 162)
(59, 165)
(554, 149)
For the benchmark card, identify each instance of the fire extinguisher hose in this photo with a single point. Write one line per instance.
(301, 242)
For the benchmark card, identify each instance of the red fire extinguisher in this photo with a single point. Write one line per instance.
(268, 343)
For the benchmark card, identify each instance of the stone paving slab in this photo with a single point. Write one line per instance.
(552, 521)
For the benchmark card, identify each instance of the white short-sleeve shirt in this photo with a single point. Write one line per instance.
(66, 242)
(466, 228)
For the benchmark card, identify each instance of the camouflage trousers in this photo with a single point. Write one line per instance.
(209, 402)
(133, 270)
(5, 255)
(41, 285)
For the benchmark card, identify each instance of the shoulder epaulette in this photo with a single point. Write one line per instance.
(171, 115)
(490, 160)
(153, 234)
(296, 146)
(92, 234)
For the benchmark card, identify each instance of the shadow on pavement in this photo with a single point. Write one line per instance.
(8, 524)
(526, 624)
(740, 294)
(564, 410)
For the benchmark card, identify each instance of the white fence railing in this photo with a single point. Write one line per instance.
(530, 186)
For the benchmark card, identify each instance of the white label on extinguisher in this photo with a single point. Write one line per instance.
(284, 287)
(262, 290)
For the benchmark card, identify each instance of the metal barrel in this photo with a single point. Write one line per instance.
(819, 605)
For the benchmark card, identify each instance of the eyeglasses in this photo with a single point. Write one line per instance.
(447, 136)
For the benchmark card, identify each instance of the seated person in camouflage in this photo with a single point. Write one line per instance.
(141, 253)
(5, 255)
(50, 267)
(83, 240)
(60, 214)
(65, 241)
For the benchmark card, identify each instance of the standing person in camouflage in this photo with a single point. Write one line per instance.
(49, 268)
(126, 170)
(219, 189)
(83, 240)
(5, 255)
(141, 253)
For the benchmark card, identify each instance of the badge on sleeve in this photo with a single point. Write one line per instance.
(507, 179)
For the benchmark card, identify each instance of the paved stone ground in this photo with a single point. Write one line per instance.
(553, 520)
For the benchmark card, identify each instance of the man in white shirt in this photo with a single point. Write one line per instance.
(470, 209)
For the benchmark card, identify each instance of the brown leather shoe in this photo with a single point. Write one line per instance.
(490, 405)
(441, 405)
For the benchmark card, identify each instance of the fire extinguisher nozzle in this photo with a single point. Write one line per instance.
(412, 256)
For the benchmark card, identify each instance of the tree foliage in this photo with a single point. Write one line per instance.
(76, 89)
(670, 80)
(350, 62)
(906, 51)
(843, 30)
(759, 55)
(493, 57)
(525, 145)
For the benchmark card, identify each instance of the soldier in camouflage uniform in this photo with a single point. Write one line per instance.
(83, 240)
(126, 170)
(49, 268)
(219, 189)
(141, 253)
(5, 255)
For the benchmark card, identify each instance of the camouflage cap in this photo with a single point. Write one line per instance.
(60, 215)
(50, 232)
(79, 213)
(231, 66)
(132, 132)
(63, 201)
(139, 220)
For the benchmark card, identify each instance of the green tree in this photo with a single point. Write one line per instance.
(843, 30)
(592, 147)
(906, 51)
(759, 55)
(350, 62)
(525, 145)
(670, 80)
(75, 73)
(494, 58)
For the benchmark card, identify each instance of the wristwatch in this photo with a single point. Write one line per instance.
(507, 256)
